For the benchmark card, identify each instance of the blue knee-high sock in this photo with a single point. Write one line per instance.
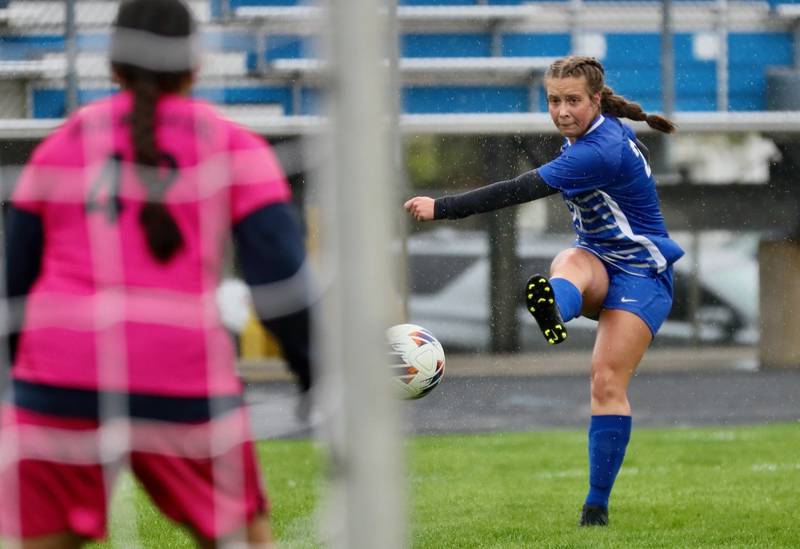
(608, 438)
(568, 298)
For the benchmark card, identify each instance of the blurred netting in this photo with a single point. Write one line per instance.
(724, 55)
(216, 172)
(35, 60)
(42, 42)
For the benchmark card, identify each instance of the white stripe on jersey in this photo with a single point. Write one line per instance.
(625, 227)
(599, 229)
(595, 125)
(595, 218)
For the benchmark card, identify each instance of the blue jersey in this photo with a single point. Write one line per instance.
(608, 187)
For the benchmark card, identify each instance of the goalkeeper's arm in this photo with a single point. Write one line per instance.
(270, 250)
(24, 247)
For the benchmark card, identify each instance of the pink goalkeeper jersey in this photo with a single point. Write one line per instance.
(103, 314)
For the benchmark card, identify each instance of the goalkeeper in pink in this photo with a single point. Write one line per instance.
(115, 239)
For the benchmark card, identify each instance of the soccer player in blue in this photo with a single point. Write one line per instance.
(619, 270)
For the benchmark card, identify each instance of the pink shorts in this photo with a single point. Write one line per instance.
(56, 473)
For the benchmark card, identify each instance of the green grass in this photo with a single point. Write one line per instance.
(715, 487)
(292, 472)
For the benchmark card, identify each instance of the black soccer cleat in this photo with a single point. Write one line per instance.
(594, 515)
(541, 303)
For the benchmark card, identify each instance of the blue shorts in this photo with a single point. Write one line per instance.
(649, 298)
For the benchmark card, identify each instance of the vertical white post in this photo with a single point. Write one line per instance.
(722, 56)
(667, 60)
(664, 162)
(365, 451)
(7, 323)
(399, 191)
(71, 39)
(577, 45)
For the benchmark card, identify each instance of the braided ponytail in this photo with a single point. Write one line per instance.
(610, 103)
(149, 71)
(620, 107)
(163, 235)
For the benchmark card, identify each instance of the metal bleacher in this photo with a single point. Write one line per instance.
(457, 57)
(626, 36)
(451, 56)
(33, 56)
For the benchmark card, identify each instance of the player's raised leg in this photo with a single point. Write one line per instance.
(541, 303)
(577, 285)
(622, 339)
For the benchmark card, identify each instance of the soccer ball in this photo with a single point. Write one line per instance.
(416, 359)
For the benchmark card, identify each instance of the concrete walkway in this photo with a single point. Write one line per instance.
(495, 393)
(553, 363)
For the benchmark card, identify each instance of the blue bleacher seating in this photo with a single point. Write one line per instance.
(751, 54)
(51, 102)
(465, 99)
(632, 63)
(550, 44)
(29, 46)
(445, 45)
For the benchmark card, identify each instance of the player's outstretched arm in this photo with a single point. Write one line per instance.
(524, 188)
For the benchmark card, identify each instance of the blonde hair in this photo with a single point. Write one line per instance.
(610, 103)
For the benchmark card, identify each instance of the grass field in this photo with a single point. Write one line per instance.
(715, 487)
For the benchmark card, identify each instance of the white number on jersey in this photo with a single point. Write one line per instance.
(639, 154)
(577, 220)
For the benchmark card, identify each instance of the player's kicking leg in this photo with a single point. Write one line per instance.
(541, 303)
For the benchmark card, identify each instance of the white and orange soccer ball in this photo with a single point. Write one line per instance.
(416, 359)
